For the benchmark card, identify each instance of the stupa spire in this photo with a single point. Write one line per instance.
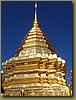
(36, 15)
(35, 69)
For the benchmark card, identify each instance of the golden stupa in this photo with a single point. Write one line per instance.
(35, 69)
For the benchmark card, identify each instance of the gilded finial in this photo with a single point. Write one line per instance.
(36, 19)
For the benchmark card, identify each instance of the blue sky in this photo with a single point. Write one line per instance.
(55, 20)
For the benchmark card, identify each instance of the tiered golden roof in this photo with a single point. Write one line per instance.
(35, 69)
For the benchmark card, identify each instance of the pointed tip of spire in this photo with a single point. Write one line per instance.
(36, 16)
(35, 4)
